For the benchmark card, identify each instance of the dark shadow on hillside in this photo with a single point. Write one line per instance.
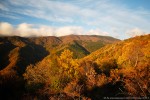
(4, 54)
(108, 90)
(30, 54)
(85, 50)
(78, 50)
(11, 87)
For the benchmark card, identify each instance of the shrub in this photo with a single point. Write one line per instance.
(137, 80)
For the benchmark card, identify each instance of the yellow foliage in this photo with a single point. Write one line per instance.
(69, 66)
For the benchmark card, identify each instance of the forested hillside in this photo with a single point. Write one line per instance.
(125, 66)
(17, 53)
(116, 70)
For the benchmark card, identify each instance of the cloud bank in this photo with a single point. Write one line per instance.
(6, 29)
(27, 30)
(135, 32)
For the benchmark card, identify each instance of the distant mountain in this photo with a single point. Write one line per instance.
(18, 52)
(81, 45)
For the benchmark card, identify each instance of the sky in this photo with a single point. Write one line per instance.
(117, 18)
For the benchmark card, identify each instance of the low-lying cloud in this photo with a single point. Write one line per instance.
(6, 29)
(27, 30)
(135, 32)
(32, 30)
(97, 32)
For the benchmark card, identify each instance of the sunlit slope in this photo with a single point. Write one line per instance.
(131, 52)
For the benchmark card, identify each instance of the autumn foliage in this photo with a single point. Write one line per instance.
(116, 70)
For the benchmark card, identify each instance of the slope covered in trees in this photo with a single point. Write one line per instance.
(17, 53)
(116, 70)
(126, 63)
(130, 52)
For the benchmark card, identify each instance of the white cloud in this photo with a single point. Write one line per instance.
(46, 31)
(135, 32)
(100, 11)
(69, 30)
(6, 29)
(45, 9)
(97, 32)
(26, 30)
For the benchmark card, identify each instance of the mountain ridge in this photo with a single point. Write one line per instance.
(32, 49)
